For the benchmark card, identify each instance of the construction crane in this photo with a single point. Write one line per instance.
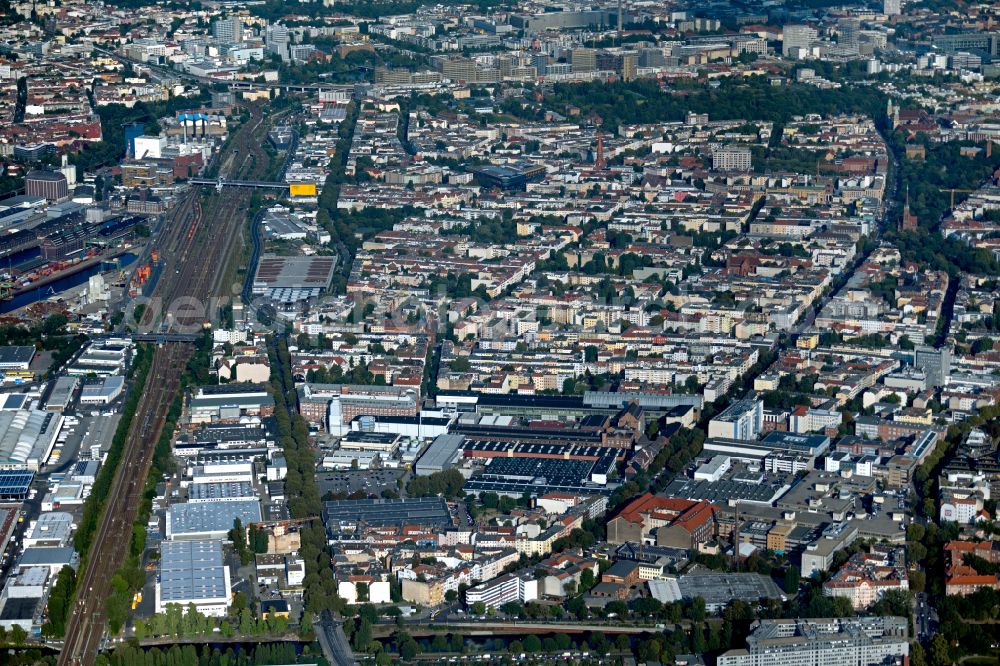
(952, 207)
(283, 523)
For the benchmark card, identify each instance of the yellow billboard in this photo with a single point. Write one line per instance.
(302, 189)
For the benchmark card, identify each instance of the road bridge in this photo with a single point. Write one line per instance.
(219, 183)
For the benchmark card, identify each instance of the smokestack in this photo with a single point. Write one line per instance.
(619, 20)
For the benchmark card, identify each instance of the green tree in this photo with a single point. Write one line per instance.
(408, 650)
(939, 652)
(792, 576)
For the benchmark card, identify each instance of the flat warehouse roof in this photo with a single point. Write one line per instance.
(192, 570)
(20, 355)
(555, 471)
(382, 512)
(204, 517)
(215, 490)
(276, 272)
(721, 588)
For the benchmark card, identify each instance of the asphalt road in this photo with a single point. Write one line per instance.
(924, 616)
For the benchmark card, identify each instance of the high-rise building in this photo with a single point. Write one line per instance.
(797, 37)
(732, 158)
(276, 39)
(630, 66)
(584, 60)
(936, 363)
(228, 30)
(891, 7)
(850, 32)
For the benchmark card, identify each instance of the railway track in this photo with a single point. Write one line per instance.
(88, 615)
(195, 246)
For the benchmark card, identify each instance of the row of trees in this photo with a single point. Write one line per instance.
(189, 655)
(178, 623)
(300, 488)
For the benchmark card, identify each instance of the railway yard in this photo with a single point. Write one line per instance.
(196, 242)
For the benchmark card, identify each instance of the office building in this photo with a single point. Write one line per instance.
(986, 42)
(797, 37)
(505, 589)
(336, 405)
(741, 420)
(891, 7)
(823, 642)
(936, 364)
(866, 577)
(276, 39)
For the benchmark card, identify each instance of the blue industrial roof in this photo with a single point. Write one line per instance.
(15, 483)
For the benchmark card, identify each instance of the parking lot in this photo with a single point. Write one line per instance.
(348, 482)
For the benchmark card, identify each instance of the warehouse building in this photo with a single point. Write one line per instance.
(102, 358)
(61, 395)
(345, 515)
(229, 402)
(442, 454)
(221, 492)
(14, 485)
(541, 476)
(250, 432)
(193, 572)
(52, 530)
(293, 279)
(103, 392)
(27, 437)
(209, 520)
(16, 358)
